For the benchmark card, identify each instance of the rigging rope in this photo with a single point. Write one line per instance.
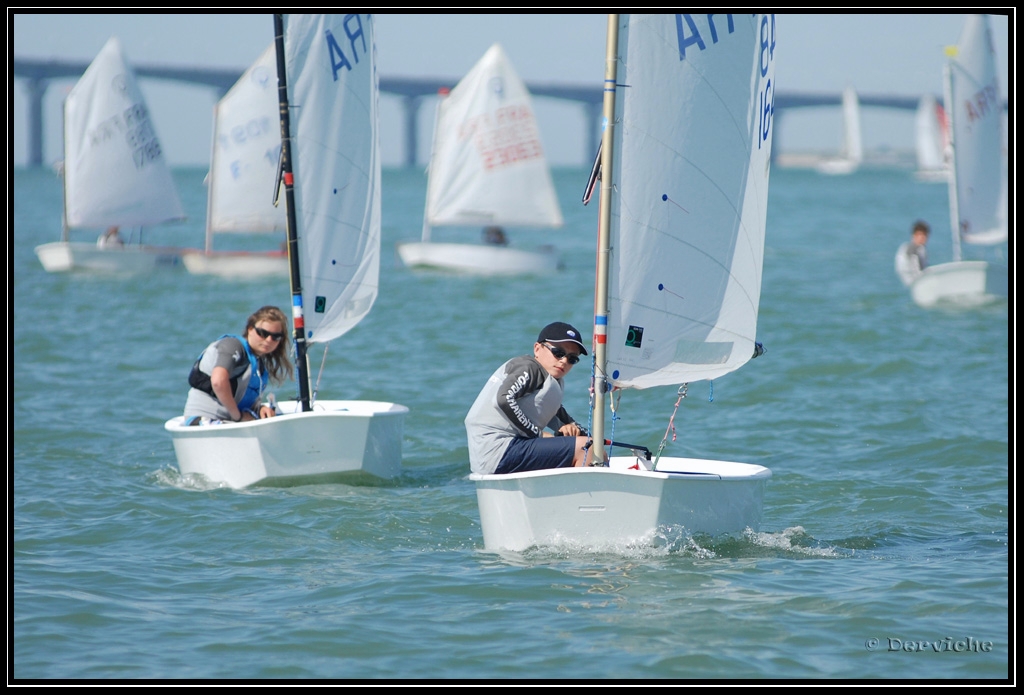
(613, 405)
(671, 424)
(319, 374)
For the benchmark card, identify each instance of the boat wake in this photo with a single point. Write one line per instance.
(794, 541)
(676, 541)
(170, 477)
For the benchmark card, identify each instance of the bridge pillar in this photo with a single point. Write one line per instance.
(411, 109)
(36, 89)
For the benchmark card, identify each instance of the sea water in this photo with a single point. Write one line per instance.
(883, 552)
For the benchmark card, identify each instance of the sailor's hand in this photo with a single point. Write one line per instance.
(266, 411)
(570, 430)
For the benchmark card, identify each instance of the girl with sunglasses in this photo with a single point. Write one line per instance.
(229, 377)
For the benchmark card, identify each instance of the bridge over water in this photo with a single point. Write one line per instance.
(39, 74)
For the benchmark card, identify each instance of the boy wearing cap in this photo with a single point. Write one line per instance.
(912, 256)
(506, 424)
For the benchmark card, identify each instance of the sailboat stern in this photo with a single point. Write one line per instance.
(338, 441)
(961, 283)
(618, 505)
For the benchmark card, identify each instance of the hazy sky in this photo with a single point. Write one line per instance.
(898, 54)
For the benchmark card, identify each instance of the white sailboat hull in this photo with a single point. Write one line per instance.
(335, 442)
(479, 259)
(240, 264)
(963, 283)
(838, 167)
(63, 256)
(932, 175)
(618, 505)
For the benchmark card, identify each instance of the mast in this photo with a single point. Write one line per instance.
(954, 192)
(603, 240)
(298, 324)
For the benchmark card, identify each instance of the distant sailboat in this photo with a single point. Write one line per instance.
(244, 171)
(487, 170)
(115, 174)
(852, 153)
(931, 130)
(978, 175)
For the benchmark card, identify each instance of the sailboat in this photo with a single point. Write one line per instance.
(487, 170)
(327, 78)
(243, 178)
(114, 172)
(685, 156)
(931, 140)
(852, 153)
(978, 176)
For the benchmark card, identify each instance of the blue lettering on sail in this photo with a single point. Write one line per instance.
(690, 34)
(766, 100)
(353, 26)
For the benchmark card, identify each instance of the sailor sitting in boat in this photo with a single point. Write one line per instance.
(229, 377)
(912, 256)
(495, 236)
(506, 424)
(110, 238)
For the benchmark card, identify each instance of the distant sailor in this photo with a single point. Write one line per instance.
(912, 256)
(111, 238)
(495, 236)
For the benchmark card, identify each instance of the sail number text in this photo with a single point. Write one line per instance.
(689, 35)
(134, 124)
(766, 97)
(355, 43)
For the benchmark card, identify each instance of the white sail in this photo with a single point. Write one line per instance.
(245, 155)
(690, 197)
(853, 146)
(931, 135)
(487, 165)
(115, 172)
(333, 89)
(976, 125)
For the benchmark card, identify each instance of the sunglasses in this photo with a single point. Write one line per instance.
(559, 353)
(264, 333)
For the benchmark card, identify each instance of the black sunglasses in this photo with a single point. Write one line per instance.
(264, 333)
(559, 353)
